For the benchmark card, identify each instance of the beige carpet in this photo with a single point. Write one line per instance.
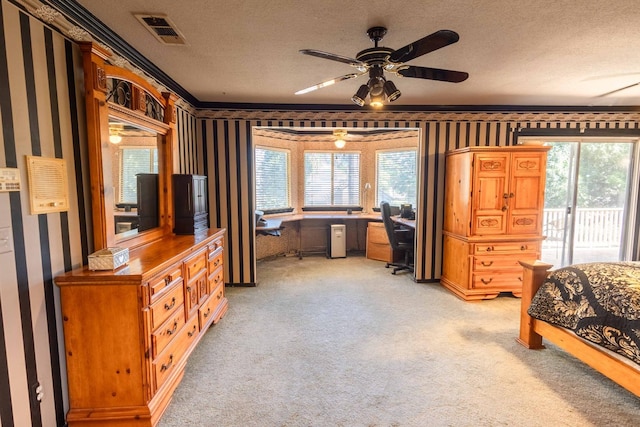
(343, 342)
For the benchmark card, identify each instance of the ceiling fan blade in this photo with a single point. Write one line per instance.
(332, 56)
(618, 90)
(329, 83)
(434, 74)
(426, 44)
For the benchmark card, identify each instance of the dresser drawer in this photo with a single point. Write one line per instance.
(166, 332)
(164, 281)
(503, 281)
(216, 246)
(215, 279)
(217, 296)
(162, 309)
(165, 363)
(506, 248)
(215, 260)
(207, 311)
(195, 265)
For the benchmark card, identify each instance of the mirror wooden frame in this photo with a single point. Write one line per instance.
(147, 108)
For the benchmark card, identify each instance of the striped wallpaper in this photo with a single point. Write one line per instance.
(42, 113)
(40, 106)
(226, 137)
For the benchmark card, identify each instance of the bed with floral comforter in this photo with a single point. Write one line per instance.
(599, 302)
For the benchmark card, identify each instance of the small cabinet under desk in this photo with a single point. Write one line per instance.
(128, 332)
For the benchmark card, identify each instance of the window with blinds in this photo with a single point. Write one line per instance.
(135, 160)
(331, 179)
(396, 176)
(272, 179)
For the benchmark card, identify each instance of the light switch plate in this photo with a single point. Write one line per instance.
(6, 243)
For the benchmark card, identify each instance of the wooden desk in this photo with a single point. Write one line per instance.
(311, 230)
(411, 223)
(271, 227)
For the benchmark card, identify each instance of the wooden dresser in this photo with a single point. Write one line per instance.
(494, 200)
(128, 333)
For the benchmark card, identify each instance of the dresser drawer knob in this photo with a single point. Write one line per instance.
(487, 264)
(167, 280)
(192, 332)
(486, 282)
(166, 366)
(523, 247)
(205, 315)
(216, 263)
(168, 306)
(489, 248)
(219, 294)
(173, 330)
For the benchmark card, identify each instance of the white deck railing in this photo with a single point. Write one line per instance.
(594, 227)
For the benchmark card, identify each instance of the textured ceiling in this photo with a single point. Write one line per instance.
(517, 52)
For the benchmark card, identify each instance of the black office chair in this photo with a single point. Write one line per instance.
(400, 238)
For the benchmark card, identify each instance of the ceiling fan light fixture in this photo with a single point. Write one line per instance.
(340, 135)
(376, 86)
(377, 101)
(115, 130)
(361, 95)
(391, 91)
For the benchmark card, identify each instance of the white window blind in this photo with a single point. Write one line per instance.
(134, 161)
(272, 179)
(396, 176)
(331, 179)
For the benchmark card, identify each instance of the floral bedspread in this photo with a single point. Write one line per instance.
(600, 302)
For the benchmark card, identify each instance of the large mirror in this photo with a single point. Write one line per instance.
(135, 178)
(131, 134)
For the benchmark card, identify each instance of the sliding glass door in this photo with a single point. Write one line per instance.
(588, 199)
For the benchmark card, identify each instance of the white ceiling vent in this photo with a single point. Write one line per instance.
(162, 28)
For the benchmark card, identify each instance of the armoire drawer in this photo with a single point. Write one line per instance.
(500, 263)
(504, 281)
(505, 248)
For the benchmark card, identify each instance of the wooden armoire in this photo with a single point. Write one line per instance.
(494, 200)
(190, 203)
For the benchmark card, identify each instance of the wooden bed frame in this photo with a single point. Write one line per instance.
(624, 373)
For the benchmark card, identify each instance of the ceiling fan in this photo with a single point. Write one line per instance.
(619, 90)
(376, 60)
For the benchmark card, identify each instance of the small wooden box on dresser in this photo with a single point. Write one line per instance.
(128, 333)
(494, 200)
